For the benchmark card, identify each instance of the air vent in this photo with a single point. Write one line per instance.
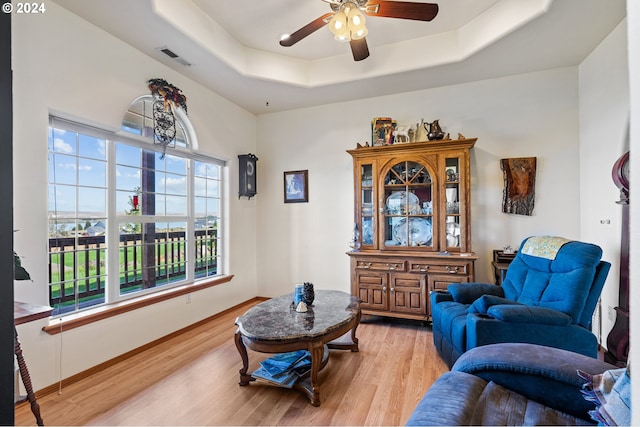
(171, 54)
(168, 52)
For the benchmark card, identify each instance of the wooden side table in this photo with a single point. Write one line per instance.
(23, 313)
(501, 263)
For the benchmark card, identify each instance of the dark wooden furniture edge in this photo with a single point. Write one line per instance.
(441, 144)
(390, 253)
(23, 313)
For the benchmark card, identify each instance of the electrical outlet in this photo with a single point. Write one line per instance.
(188, 298)
(605, 223)
(611, 313)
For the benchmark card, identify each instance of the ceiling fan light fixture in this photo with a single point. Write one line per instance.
(344, 35)
(360, 33)
(356, 19)
(338, 23)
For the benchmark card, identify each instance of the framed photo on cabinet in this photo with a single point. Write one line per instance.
(296, 186)
(382, 130)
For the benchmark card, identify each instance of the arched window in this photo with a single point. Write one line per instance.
(138, 120)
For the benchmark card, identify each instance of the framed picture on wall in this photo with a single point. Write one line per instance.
(296, 186)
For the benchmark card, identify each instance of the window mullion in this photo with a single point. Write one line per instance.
(113, 232)
(191, 224)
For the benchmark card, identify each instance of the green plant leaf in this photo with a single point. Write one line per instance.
(19, 273)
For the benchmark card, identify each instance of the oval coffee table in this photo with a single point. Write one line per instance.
(274, 326)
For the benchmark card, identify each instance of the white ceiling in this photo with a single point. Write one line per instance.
(233, 46)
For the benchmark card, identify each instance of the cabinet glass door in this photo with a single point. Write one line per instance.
(452, 203)
(366, 204)
(407, 206)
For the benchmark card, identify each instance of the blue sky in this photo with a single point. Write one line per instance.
(79, 161)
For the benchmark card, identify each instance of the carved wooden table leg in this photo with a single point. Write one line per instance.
(26, 380)
(317, 352)
(355, 347)
(245, 379)
(347, 343)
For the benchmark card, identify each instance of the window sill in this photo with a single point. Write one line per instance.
(73, 321)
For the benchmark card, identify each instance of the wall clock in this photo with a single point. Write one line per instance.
(620, 174)
(618, 338)
(247, 181)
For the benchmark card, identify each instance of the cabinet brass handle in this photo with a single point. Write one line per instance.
(452, 270)
(384, 288)
(392, 290)
(392, 267)
(423, 268)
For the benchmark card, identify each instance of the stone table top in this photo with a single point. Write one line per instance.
(276, 320)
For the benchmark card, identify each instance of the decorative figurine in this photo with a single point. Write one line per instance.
(401, 134)
(434, 131)
(355, 238)
(302, 307)
(308, 294)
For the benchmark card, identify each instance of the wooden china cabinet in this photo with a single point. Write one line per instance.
(413, 221)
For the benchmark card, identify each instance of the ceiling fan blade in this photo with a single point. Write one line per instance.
(303, 32)
(359, 49)
(401, 9)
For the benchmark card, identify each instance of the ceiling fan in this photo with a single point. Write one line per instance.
(347, 22)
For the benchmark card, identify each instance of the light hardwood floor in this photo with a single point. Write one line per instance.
(192, 379)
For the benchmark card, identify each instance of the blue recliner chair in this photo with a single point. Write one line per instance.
(547, 297)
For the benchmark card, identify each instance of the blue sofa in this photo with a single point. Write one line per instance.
(517, 384)
(548, 297)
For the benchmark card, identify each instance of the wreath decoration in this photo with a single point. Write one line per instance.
(169, 93)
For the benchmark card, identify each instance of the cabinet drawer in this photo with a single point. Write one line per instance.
(381, 265)
(441, 283)
(441, 268)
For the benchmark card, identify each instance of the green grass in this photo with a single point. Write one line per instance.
(89, 280)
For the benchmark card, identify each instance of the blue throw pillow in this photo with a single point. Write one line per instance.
(466, 293)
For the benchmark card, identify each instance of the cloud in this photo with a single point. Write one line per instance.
(67, 166)
(177, 184)
(102, 147)
(62, 146)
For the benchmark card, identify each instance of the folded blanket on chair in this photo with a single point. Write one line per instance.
(543, 246)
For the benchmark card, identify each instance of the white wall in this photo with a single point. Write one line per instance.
(604, 137)
(521, 116)
(64, 65)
